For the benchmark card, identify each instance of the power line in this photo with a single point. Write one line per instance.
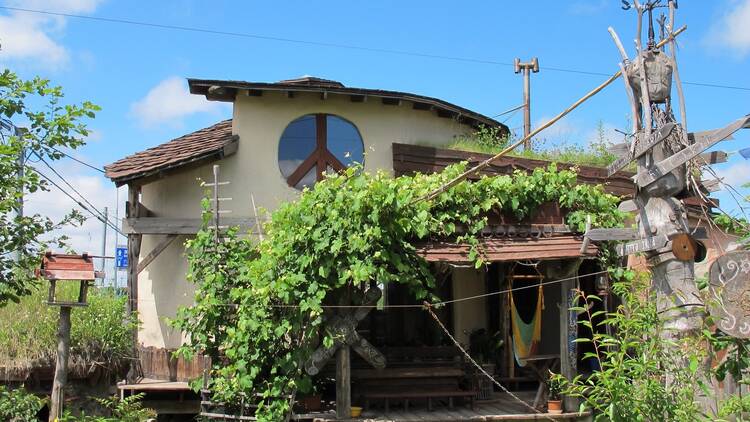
(79, 202)
(335, 45)
(79, 161)
(96, 213)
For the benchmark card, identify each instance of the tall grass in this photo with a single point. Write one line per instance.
(487, 141)
(100, 332)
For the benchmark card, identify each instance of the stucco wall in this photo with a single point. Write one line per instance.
(260, 121)
(468, 315)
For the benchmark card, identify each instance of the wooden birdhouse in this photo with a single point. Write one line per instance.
(58, 268)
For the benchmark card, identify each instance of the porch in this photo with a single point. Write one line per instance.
(500, 407)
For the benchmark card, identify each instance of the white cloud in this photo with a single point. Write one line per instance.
(31, 37)
(169, 102)
(732, 31)
(563, 129)
(735, 174)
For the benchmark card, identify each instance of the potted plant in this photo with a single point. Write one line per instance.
(485, 349)
(312, 401)
(554, 400)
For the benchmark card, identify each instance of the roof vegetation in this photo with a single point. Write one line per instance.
(487, 140)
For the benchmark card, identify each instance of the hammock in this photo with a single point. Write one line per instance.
(526, 335)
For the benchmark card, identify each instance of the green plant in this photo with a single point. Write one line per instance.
(129, 409)
(49, 126)
(555, 386)
(258, 309)
(485, 347)
(595, 154)
(100, 332)
(17, 405)
(636, 359)
(486, 139)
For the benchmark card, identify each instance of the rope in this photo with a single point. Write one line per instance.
(458, 179)
(428, 307)
(414, 306)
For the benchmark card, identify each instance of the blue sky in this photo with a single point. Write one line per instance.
(136, 74)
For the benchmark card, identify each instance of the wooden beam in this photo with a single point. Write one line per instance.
(421, 106)
(713, 157)
(445, 113)
(254, 93)
(159, 248)
(391, 101)
(324, 95)
(358, 98)
(167, 225)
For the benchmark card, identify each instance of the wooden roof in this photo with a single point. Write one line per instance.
(508, 249)
(203, 145)
(224, 90)
(408, 159)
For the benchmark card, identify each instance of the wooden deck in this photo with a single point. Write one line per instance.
(500, 408)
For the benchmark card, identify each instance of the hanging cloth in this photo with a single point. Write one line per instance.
(526, 334)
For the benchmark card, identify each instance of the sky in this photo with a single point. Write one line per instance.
(461, 52)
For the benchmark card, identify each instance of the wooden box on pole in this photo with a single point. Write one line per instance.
(58, 268)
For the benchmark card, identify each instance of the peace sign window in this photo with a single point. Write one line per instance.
(315, 144)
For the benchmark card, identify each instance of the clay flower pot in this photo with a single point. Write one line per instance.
(554, 407)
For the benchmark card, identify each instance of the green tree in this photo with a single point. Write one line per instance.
(47, 125)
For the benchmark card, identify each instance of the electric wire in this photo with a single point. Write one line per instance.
(422, 306)
(101, 214)
(78, 161)
(335, 45)
(79, 203)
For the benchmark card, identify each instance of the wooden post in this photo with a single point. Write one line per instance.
(343, 383)
(134, 251)
(61, 365)
(568, 321)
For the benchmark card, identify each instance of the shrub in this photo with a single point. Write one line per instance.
(100, 332)
(18, 405)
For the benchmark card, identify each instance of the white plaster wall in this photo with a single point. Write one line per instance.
(260, 121)
(468, 315)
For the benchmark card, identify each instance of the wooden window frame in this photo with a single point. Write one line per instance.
(321, 158)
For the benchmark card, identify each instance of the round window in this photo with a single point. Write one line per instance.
(315, 144)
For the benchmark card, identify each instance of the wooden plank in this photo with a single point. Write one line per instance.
(643, 245)
(159, 248)
(343, 383)
(619, 149)
(713, 185)
(628, 206)
(703, 140)
(599, 235)
(641, 147)
(167, 225)
(713, 157)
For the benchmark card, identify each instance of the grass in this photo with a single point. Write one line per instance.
(486, 141)
(100, 332)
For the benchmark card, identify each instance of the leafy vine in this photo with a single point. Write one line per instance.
(260, 306)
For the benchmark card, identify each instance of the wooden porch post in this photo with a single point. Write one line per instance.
(343, 383)
(568, 321)
(568, 335)
(134, 251)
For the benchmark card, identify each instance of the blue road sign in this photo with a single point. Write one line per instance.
(121, 257)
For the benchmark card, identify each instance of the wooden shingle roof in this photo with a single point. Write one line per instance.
(213, 142)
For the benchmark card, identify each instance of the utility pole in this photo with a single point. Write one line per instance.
(104, 239)
(527, 68)
(20, 172)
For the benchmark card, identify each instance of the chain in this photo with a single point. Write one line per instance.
(428, 308)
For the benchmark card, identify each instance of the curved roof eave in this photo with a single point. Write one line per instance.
(226, 90)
